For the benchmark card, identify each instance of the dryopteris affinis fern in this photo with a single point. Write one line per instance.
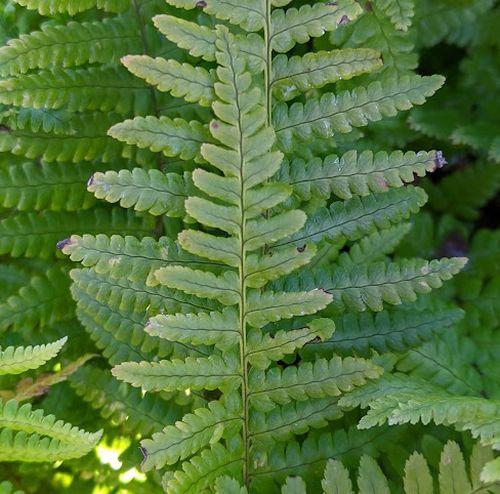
(30, 435)
(243, 116)
(119, 291)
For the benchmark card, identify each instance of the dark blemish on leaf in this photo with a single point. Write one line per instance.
(215, 125)
(301, 249)
(343, 20)
(143, 452)
(201, 4)
(333, 4)
(440, 160)
(90, 181)
(368, 7)
(63, 243)
(4, 128)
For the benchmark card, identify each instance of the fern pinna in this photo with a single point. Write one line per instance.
(232, 301)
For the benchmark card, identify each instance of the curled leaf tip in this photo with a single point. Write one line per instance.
(343, 20)
(63, 243)
(440, 159)
(201, 4)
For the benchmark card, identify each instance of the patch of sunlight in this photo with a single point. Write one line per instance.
(132, 474)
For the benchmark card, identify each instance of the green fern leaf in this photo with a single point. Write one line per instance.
(36, 235)
(170, 375)
(417, 475)
(76, 90)
(85, 139)
(201, 283)
(145, 190)
(336, 479)
(184, 439)
(53, 7)
(294, 485)
(69, 45)
(294, 418)
(42, 302)
(249, 16)
(199, 40)
(127, 257)
(15, 360)
(371, 480)
(47, 186)
(309, 380)
(386, 331)
(357, 217)
(452, 473)
(357, 174)
(374, 247)
(274, 306)
(340, 113)
(122, 405)
(263, 349)
(399, 11)
(13, 417)
(281, 261)
(296, 75)
(194, 84)
(201, 471)
(215, 328)
(309, 21)
(171, 137)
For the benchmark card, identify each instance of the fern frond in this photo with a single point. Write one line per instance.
(199, 40)
(15, 360)
(399, 11)
(249, 16)
(264, 349)
(185, 438)
(33, 426)
(201, 471)
(309, 457)
(105, 89)
(53, 7)
(123, 405)
(36, 235)
(43, 301)
(201, 283)
(128, 257)
(268, 306)
(295, 418)
(309, 21)
(295, 75)
(194, 84)
(358, 173)
(309, 380)
(70, 45)
(214, 328)
(145, 190)
(332, 114)
(359, 216)
(172, 137)
(47, 186)
(369, 286)
(85, 139)
(374, 247)
(394, 331)
(214, 372)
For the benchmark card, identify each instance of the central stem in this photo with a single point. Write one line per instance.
(268, 62)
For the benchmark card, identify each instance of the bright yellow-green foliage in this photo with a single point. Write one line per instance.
(262, 306)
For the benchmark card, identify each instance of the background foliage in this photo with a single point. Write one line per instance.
(65, 83)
